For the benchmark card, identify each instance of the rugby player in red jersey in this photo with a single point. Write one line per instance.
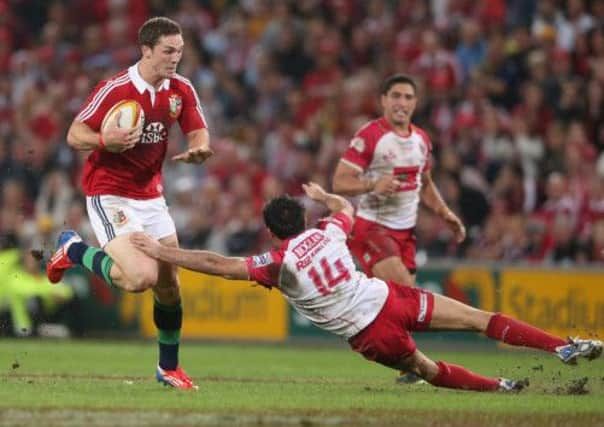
(123, 183)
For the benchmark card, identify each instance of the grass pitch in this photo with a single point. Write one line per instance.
(111, 383)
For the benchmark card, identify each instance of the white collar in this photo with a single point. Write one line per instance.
(141, 85)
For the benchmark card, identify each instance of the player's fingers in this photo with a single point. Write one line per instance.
(136, 129)
(130, 141)
(462, 234)
(135, 135)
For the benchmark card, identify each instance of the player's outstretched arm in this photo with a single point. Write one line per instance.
(199, 148)
(333, 202)
(201, 261)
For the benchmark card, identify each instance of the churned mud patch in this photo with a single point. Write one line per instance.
(577, 386)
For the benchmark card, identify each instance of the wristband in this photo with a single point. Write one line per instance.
(101, 142)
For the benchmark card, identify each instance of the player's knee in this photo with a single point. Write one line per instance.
(420, 365)
(482, 320)
(168, 295)
(477, 320)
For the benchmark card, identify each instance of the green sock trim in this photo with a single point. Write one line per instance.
(88, 257)
(168, 337)
(106, 263)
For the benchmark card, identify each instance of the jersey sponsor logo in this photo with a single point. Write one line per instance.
(175, 102)
(262, 260)
(154, 133)
(308, 244)
(407, 177)
(358, 144)
(119, 218)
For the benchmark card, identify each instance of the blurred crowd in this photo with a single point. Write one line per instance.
(511, 94)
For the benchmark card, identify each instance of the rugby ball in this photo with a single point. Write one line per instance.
(128, 113)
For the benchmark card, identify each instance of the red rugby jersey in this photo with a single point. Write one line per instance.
(136, 173)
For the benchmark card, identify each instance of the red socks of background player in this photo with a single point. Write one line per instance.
(515, 332)
(454, 376)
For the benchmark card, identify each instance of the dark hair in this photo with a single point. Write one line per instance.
(284, 216)
(395, 79)
(150, 32)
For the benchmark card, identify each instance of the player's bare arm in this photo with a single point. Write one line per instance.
(82, 137)
(199, 148)
(200, 261)
(333, 202)
(349, 181)
(432, 198)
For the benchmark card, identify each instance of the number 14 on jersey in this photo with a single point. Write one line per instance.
(326, 281)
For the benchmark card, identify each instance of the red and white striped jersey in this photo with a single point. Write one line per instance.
(378, 150)
(316, 273)
(136, 173)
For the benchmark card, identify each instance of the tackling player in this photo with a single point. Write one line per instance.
(315, 271)
(123, 183)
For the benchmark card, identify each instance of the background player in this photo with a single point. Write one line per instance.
(388, 164)
(315, 272)
(122, 181)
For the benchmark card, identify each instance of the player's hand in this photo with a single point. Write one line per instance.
(456, 226)
(386, 185)
(145, 244)
(196, 155)
(118, 140)
(314, 191)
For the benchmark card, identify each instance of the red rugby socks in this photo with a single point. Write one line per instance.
(515, 332)
(454, 376)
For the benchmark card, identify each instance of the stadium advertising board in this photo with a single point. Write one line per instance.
(563, 303)
(217, 308)
(474, 286)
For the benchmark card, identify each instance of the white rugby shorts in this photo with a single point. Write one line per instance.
(112, 216)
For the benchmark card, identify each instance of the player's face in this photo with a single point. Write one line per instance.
(165, 55)
(399, 104)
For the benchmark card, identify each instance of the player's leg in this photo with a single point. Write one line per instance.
(442, 374)
(393, 259)
(119, 263)
(132, 271)
(387, 341)
(167, 308)
(393, 269)
(167, 315)
(449, 314)
(384, 253)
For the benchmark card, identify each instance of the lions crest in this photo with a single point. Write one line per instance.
(175, 102)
